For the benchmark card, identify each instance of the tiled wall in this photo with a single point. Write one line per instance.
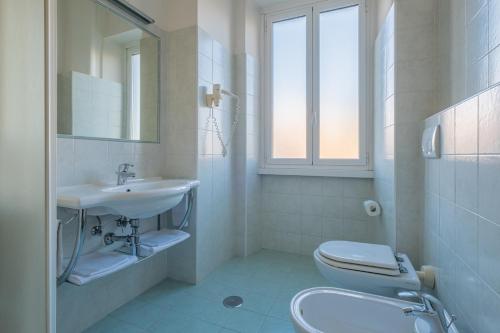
(216, 227)
(298, 213)
(180, 125)
(384, 182)
(78, 307)
(253, 180)
(462, 215)
(82, 161)
(180, 136)
(469, 48)
(248, 182)
(87, 161)
(415, 94)
(89, 106)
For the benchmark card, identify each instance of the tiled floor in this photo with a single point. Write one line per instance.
(267, 281)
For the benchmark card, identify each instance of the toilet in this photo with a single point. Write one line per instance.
(370, 268)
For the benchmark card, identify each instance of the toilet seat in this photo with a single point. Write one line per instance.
(363, 257)
(359, 278)
(359, 268)
(356, 253)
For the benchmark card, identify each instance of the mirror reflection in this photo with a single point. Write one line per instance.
(108, 75)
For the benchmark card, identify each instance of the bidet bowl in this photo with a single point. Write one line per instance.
(333, 310)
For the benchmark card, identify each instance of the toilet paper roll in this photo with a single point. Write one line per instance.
(372, 208)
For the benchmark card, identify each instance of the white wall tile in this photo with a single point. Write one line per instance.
(332, 228)
(477, 36)
(473, 7)
(467, 236)
(415, 14)
(468, 231)
(489, 121)
(333, 207)
(319, 205)
(468, 283)
(494, 23)
(446, 278)
(432, 176)
(466, 117)
(447, 122)
(308, 244)
(494, 66)
(464, 61)
(447, 177)
(447, 222)
(477, 75)
(311, 225)
(488, 253)
(205, 68)
(489, 308)
(205, 43)
(466, 181)
(489, 187)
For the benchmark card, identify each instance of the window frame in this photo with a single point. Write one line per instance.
(279, 17)
(313, 165)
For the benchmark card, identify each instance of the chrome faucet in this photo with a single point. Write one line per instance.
(124, 174)
(429, 306)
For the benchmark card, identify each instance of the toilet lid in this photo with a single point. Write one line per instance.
(360, 268)
(364, 254)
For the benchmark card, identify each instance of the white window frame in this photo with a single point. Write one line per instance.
(282, 16)
(313, 165)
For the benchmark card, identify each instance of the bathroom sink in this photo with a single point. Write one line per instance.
(333, 310)
(137, 199)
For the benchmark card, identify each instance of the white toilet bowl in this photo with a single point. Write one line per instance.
(365, 267)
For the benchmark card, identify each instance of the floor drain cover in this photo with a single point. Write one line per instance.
(233, 302)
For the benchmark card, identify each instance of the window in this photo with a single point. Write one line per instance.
(315, 87)
(134, 92)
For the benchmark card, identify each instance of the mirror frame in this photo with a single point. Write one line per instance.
(157, 33)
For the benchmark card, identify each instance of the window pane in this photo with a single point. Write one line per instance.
(290, 88)
(339, 84)
(135, 96)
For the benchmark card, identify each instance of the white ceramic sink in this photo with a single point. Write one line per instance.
(333, 310)
(137, 199)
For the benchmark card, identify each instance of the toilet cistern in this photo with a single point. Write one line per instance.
(123, 173)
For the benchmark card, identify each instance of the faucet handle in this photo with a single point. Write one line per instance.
(124, 167)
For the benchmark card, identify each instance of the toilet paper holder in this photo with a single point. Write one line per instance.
(372, 208)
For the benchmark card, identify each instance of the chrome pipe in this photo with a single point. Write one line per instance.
(186, 217)
(80, 238)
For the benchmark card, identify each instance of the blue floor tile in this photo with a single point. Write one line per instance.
(273, 325)
(112, 325)
(243, 321)
(267, 281)
(185, 324)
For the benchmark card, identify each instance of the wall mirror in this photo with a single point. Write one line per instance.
(108, 74)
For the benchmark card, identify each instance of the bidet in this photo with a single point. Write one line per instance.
(334, 310)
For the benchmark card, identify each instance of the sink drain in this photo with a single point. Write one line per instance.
(232, 302)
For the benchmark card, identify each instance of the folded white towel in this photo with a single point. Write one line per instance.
(155, 241)
(95, 265)
(162, 237)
